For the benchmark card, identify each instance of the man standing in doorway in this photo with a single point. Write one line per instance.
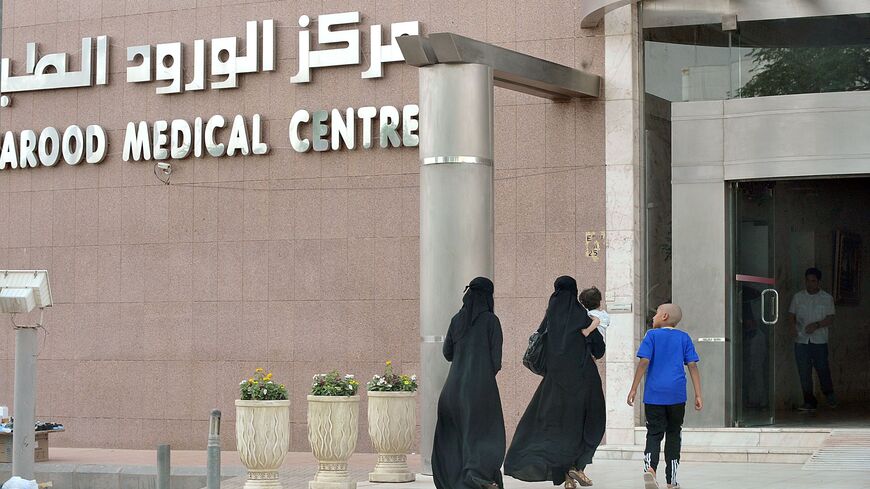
(812, 314)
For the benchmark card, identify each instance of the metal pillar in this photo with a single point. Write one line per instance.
(456, 211)
(213, 463)
(163, 466)
(24, 408)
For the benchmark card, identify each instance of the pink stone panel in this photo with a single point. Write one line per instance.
(505, 279)
(205, 344)
(560, 206)
(181, 215)
(110, 219)
(167, 296)
(20, 220)
(256, 210)
(132, 288)
(308, 281)
(282, 331)
(505, 188)
(87, 211)
(531, 207)
(41, 207)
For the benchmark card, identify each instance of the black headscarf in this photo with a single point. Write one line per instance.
(477, 300)
(565, 316)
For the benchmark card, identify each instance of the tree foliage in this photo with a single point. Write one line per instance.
(786, 71)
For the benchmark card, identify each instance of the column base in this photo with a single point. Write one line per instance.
(263, 480)
(331, 485)
(392, 477)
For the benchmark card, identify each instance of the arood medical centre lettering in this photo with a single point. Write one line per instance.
(217, 64)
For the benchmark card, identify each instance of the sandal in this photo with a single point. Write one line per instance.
(569, 483)
(580, 477)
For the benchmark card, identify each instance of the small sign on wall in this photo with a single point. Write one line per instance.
(593, 245)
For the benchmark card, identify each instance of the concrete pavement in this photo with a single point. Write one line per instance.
(135, 469)
(623, 474)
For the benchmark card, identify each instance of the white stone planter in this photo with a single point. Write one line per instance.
(392, 423)
(333, 428)
(262, 439)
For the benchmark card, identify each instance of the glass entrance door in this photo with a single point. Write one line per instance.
(755, 303)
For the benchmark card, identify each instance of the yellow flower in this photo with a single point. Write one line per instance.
(407, 382)
(269, 376)
(259, 370)
(389, 363)
(282, 386)
(251, 380)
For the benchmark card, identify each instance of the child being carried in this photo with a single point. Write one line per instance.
(591, 299)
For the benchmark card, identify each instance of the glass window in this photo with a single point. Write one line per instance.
(759, 59)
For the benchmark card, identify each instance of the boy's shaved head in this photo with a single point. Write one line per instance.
(675, 314)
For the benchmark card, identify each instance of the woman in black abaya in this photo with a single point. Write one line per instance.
(564, 423)
(469, 437)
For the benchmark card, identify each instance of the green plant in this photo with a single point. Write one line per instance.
(392, 382)
(786, 71)
(333, 384)
(260, 387)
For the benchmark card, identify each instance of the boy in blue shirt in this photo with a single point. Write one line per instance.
(663, 354)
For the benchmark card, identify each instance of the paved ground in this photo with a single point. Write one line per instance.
(618, 474)
(299, 468)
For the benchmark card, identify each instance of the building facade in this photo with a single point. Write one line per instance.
(747, 122)
(166, 296)
(725, 155)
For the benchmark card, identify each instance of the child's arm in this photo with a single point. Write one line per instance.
(696, 383)
(592, 327)
(638, 375)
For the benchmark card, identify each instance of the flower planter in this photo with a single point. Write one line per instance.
(392, 423)
(333, 427)
(262, 439)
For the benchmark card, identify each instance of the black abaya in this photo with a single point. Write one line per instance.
(469, 442)
(564, 422)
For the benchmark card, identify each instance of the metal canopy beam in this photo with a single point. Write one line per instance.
(510, 69)
(592, 11)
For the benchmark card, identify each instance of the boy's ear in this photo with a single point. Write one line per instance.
(665, 316)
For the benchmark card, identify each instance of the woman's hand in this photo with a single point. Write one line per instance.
(592, 327)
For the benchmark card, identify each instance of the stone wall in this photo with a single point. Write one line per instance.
(167, 296)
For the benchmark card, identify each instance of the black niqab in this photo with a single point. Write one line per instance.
(469, 442)
(477, 300)
(564, 422)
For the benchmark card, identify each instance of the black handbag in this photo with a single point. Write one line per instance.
(535, 358)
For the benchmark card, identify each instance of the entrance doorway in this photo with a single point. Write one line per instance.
(780, 228)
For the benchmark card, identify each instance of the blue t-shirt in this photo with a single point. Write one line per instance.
(668, 351)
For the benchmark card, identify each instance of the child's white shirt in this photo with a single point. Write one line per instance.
(603, 317)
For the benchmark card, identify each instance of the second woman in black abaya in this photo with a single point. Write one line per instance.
(564, 422)
(469, 437)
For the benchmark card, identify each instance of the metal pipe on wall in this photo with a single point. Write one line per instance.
(456, 212)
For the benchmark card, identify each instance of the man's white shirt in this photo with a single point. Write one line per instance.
(811, 308)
